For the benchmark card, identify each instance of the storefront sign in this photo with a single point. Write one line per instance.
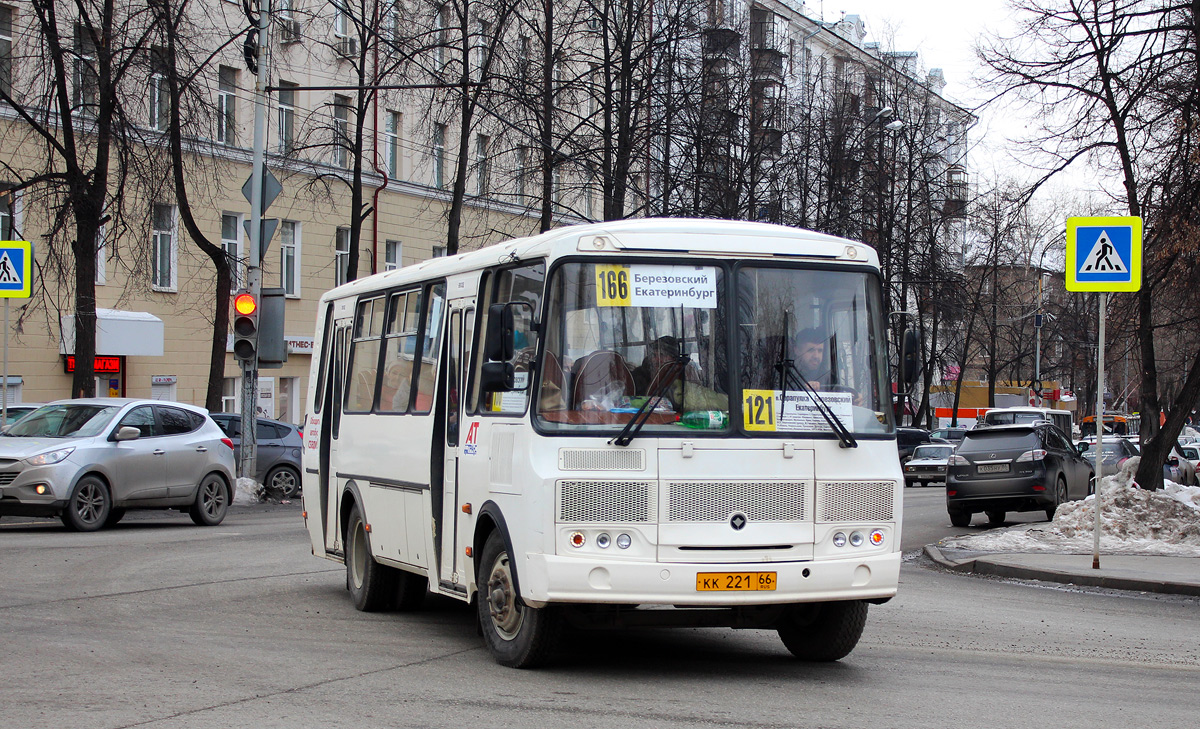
(101, 364)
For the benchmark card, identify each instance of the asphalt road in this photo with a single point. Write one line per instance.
(158, 623)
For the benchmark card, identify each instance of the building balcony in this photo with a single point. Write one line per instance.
(766, 64)
(722, 43)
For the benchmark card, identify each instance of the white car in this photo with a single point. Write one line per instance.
(928, 463)
(1192, 453)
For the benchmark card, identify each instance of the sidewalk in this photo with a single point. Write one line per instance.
(1171, 575)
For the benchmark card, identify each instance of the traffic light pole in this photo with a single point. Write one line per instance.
(249, 444)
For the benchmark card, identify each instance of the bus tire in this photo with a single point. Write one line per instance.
(518, 636)
(373, 586)
(823, 631)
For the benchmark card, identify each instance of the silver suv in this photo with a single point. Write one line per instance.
(89, 460)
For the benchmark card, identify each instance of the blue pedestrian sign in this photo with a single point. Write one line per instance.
(15, 269)
(1104, 254)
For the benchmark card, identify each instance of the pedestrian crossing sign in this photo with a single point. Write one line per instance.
(1104, 254)
(15, 269)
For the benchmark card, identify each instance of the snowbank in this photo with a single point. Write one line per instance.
(1132, 521)
(248, 492)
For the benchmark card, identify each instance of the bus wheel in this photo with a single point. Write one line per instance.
(372, 585)
(517, 635)
(823, 631)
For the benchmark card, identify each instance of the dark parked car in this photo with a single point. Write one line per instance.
(1116, 451)
(997, 469)
(279, 446)
(909, 438)
(954, 434)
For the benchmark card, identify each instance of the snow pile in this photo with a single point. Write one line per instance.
(248, 492)
(1133, 521)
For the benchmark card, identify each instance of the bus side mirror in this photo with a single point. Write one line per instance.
(499, 344)
(498, 377)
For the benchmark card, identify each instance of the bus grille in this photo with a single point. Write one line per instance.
(613, 502)
(855, 501)
(598, 459)
(716, 500)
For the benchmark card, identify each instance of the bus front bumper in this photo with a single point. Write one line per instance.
(576, 580)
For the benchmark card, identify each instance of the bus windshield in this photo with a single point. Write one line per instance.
(653, 337)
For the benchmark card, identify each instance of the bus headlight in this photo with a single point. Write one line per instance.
(602, 541)
(839, 539)
(623, 541)
(856, 539)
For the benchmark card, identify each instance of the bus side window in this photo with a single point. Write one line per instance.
(400, 342)
(431, 341)
(364, 356)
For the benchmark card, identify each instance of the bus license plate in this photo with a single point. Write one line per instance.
(992, 468)
(722, 581)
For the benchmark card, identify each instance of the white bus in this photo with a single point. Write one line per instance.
(648, 422)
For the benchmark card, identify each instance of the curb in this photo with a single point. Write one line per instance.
(984, 566)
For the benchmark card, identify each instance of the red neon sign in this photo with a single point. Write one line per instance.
(100, 365)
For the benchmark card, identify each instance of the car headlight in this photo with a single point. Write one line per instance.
(50, 457)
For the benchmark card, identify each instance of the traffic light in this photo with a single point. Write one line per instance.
(245, 326)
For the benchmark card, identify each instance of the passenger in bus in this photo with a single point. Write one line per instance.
(662, 356)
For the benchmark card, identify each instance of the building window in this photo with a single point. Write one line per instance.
(341, 257)
(231, 389)
(288, 399)
(6, 212)
(162, 248)
(395, 24)
(101, 258)
(439, 156)
(522, 175)
(287, 117)
(289, 258)
(441, 35)
(163, 389)
(438, 251)
(341, 19)
(12, 389)
(86, 83)
(392, 140)
(341, 130)
(481, 155)
(227, 79)
(391, 255)
(160, 91)
(6, 54)
(231, 241)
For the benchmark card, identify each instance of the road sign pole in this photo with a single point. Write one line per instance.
(1099, 427)
(4, 407)
(249, 442)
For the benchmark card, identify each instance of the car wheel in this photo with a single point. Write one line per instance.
(1060, 498)
(284, 480)
(212, 501)
(822, 631)
(88, 508)
(372, 585)
(114, 515)
(959, 517)
(517, 635)
(996, 518)
(1091, 484)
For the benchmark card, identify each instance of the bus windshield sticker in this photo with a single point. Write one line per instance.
(514, 400)
(656, 286)
(761, 410)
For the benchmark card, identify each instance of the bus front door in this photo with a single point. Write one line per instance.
(447, 517)
(331, 425)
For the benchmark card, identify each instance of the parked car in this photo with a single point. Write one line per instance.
(1192, 454)
(279, 450)
(950, 434)
(18, 410)
(928, 463)
(1116, 451)
(1177, 467)
(89, 460)
(1028, 467)
(909, 438)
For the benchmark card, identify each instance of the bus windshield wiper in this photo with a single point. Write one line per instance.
(634, 426)
(789, 374)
